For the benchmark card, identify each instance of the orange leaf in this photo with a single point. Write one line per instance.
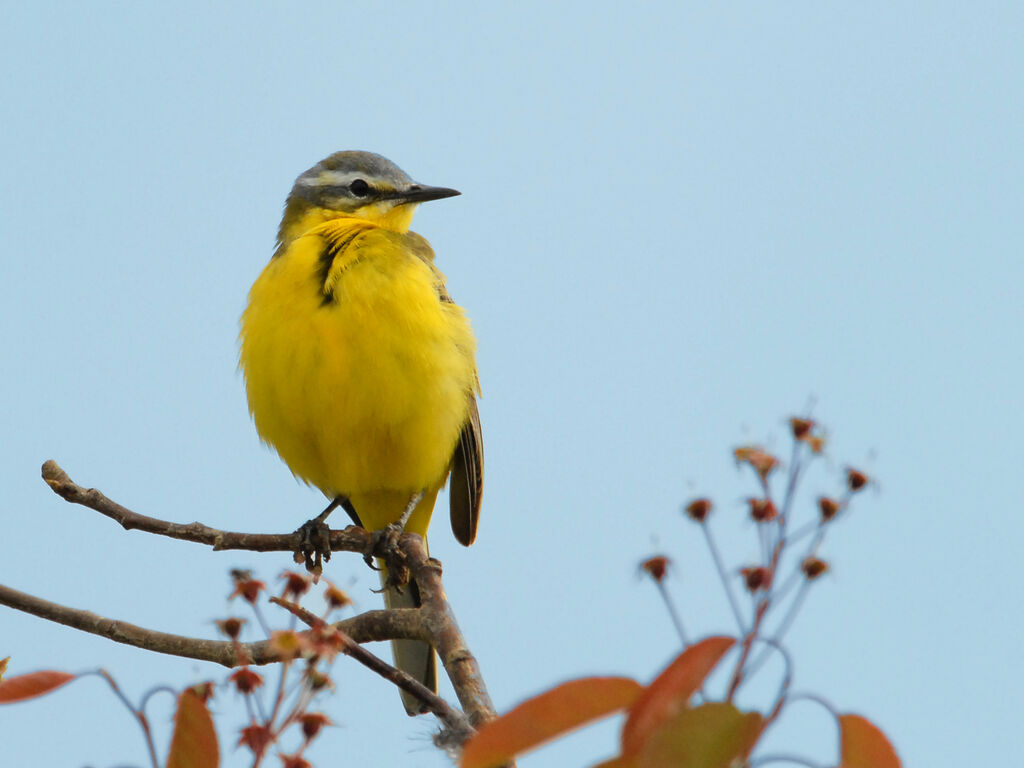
(863, 745)
(194, 743)
(715, 735)
(671, 690)
(32, 685)
(546, 716)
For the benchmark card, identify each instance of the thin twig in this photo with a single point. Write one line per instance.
(787, 680)
(748, 642)
(723, 576)
(350, 539)
(819, 700)
(672, 612)
(454, 720)
(153, 691)
(784, 625)
(140, 716)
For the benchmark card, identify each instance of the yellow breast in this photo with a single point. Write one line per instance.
(358, 373)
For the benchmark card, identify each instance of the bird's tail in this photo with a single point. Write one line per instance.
(413, 657)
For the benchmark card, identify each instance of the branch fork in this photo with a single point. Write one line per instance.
(433, 622)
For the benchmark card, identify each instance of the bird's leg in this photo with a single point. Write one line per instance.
(349, 510)
(315, 546)
(403, 521)
(392, 530)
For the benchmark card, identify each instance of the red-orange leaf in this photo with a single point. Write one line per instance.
(546, 716)
(194, 743)
(715, 735)
(863, 745)
(671, 690)
(32, 685)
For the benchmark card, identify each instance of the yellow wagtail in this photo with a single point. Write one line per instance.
(358, 365)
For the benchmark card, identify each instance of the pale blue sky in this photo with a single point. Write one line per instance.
(679, 223)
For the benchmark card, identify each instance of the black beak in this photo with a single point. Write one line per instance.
(418, 193)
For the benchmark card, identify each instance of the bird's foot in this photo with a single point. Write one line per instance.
(392, 531)
(315, 537)
(314, 545)
(386, 537)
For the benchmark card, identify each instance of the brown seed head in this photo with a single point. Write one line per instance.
(232, 627)
(336, 597)
(756, 578)
(801, 427)
(761, 461)
(855, 479)
(248, 589)
(828, 508)
(245, 680)
(762, 510)
(257, 738)
(813, 567)
(657, 567)
(295, 584)
(699, 509)
(312, 722)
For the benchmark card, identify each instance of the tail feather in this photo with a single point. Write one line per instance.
(413, 657)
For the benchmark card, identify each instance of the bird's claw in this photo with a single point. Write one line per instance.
(314, 545)
(386, 537)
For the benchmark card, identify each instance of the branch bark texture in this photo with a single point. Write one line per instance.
(433, 622)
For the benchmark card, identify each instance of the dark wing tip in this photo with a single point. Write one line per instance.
(467, 478)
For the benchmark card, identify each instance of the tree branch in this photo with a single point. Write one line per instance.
(218, 651)
(455, 721)
(350, 539)
(398, 623)
(434, 622)
(444, 633)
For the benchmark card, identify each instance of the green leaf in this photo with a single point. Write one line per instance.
(715, 735)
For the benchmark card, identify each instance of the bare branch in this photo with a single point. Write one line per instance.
(455, 721)
(217, 651)
(434, 622)
(459, 663)
(351, 539)
(402, 623)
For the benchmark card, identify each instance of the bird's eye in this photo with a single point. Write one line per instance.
(359, 188)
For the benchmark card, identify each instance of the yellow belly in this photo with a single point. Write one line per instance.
(364, 393)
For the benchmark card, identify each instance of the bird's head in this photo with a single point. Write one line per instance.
(355, 184)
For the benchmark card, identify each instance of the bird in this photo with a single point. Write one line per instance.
(360, 369)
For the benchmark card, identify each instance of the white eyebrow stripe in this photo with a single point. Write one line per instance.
(330, 179)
